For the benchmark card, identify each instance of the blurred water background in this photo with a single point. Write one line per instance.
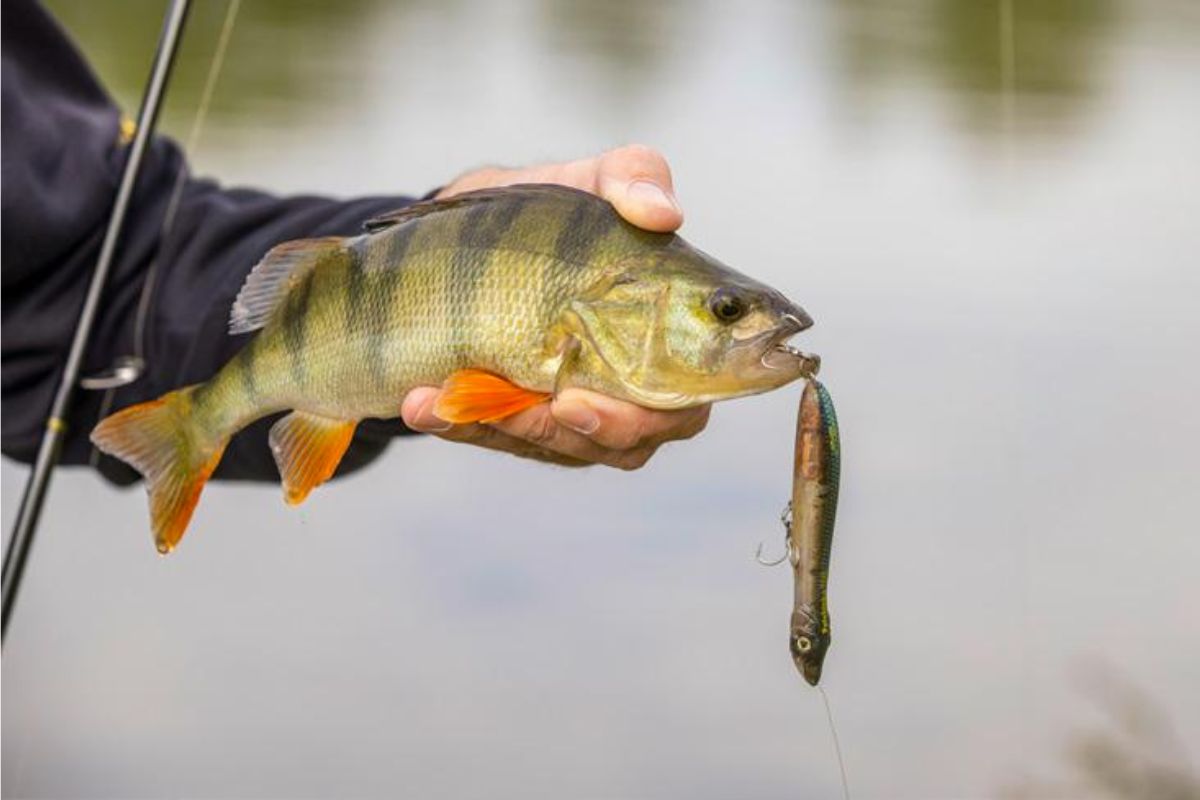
(990, 208)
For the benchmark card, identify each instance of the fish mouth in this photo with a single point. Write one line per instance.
(808, 364)
(779, 355)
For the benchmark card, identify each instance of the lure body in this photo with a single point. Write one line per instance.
(810, 530)
(502, 297)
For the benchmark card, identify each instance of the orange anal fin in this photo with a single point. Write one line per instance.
(472, 395)
(307, 449)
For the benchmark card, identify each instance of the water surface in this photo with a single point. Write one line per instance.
(990, 210)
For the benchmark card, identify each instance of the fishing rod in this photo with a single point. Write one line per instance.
(34, 496)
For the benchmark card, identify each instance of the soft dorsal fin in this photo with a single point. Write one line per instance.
(282, 268)
(426, 207)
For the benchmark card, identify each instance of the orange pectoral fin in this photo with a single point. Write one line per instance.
(472, 395)
(307, 450)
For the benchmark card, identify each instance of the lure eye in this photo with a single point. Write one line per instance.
(803, 644)
(727, 306)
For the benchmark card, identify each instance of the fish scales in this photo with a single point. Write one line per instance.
(504, 296)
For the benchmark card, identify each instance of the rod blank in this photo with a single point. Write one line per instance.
(34, 496)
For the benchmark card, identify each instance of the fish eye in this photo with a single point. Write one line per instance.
(727, 306)
(803, 644)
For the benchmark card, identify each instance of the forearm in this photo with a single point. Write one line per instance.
(216, 237)
(62, 161)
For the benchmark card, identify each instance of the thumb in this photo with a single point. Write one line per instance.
(637, 181)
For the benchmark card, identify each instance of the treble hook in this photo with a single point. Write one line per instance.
(786, 519)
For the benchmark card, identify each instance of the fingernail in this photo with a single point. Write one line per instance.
(578, 417)
(651, 194)
(431, 422)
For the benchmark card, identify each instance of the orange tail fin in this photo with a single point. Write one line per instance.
(472, 395)
(160, 440)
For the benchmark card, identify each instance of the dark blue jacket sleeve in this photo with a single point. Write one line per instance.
(62, 157)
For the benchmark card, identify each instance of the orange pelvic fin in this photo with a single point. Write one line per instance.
(159, 440)
(307, 449)
(472, 395)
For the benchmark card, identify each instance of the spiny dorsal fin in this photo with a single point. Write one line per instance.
(426, 207)
(282, 268)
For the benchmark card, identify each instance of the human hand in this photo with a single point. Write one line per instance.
(579, 427)
(634, 178)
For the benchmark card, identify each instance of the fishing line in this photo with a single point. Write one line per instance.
(189, 147)
(837, 746)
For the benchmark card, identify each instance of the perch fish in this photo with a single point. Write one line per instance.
(502, 296)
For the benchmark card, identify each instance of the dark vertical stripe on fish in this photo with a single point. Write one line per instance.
(486, 223)
(384, 284)
(586, 226)
(583, 229)
(482, 229)
(397, 245)
(356, 285)
(294, 324)
(246, 373)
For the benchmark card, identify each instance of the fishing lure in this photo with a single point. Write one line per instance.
(809, 524)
